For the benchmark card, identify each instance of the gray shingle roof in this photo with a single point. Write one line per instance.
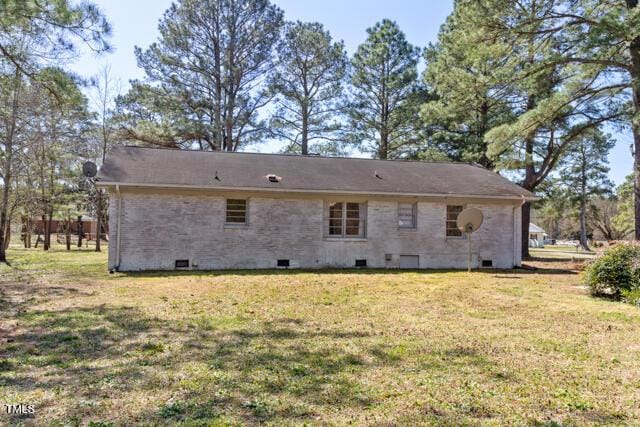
(179, 168)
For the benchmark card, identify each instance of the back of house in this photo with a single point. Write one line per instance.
(172, 209)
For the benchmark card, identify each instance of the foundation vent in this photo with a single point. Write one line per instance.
(182, 263)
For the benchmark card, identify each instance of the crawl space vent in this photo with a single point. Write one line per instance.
(487, 263)
(182, 263)
(273, 178)
(361, 263)
(283, 263)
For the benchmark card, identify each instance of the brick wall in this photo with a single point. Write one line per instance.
(159, 228)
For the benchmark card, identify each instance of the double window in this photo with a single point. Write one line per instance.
(452, 216)
(407, 213)
(345, 219)
(236, 211)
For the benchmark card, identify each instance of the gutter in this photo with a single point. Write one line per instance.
(300, 191)
(515, 229)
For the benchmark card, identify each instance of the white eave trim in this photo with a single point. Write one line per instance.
(301, 191)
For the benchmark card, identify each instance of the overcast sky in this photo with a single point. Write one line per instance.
(135, 24)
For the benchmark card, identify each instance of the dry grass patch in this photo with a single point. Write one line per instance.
(290, 347)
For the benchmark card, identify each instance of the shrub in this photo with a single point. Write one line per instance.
(616, 272)
(632, 296)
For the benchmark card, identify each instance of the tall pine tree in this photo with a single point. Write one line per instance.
(463, 77)
(386, 95)
(585, 174)
(205, 76)
(309, 82)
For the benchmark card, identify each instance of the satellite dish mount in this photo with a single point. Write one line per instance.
(469, 221)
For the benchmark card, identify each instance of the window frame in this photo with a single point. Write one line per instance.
(344, 220)
(447, 221)
(414, 216)
(246, 213)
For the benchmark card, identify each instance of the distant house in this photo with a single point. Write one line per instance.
(536, 236)
(174, 209)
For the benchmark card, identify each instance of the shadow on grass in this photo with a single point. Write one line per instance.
(245, 369)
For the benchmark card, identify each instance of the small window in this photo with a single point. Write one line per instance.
(407, 215)
(345, 219)
(452, 215)
(236, 211)
(361, 263)
(283, 263)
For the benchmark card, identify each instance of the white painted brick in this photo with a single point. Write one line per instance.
(157, 229)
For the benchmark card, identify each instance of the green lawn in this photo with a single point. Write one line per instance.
(561, 253)
(322, 347)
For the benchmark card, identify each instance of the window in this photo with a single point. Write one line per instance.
(236, 211)
(407, 215)
(452, 216)
(345, 219)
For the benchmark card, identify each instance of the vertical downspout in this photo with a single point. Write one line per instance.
(117, 266)
(516, 230)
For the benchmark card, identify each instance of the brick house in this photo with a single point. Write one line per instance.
(174, 209)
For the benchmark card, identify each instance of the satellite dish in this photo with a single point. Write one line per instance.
(468, 221)
(89, 169)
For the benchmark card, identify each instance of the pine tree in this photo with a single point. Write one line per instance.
(599, 42)
(309, 81)
(585, 174)
(548, 111)
(625, 219)
(34, 34)
(205, 76)
(463, 75)
(386, 96)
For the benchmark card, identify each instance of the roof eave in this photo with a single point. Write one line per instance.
(521, 197)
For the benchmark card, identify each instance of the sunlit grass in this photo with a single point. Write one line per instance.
(314, 347)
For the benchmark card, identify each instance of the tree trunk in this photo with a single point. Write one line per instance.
(229, 130)
(8, 169)
(80, 231)
(29, 232)
(23, 230)
(7, 236)
(383, 152)
(634, 51)
(305, 131)
(47, 232)
(4, 218)
(67, 233)
(529, 183)
(584, 242)
(526, 218)
(98, 220)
